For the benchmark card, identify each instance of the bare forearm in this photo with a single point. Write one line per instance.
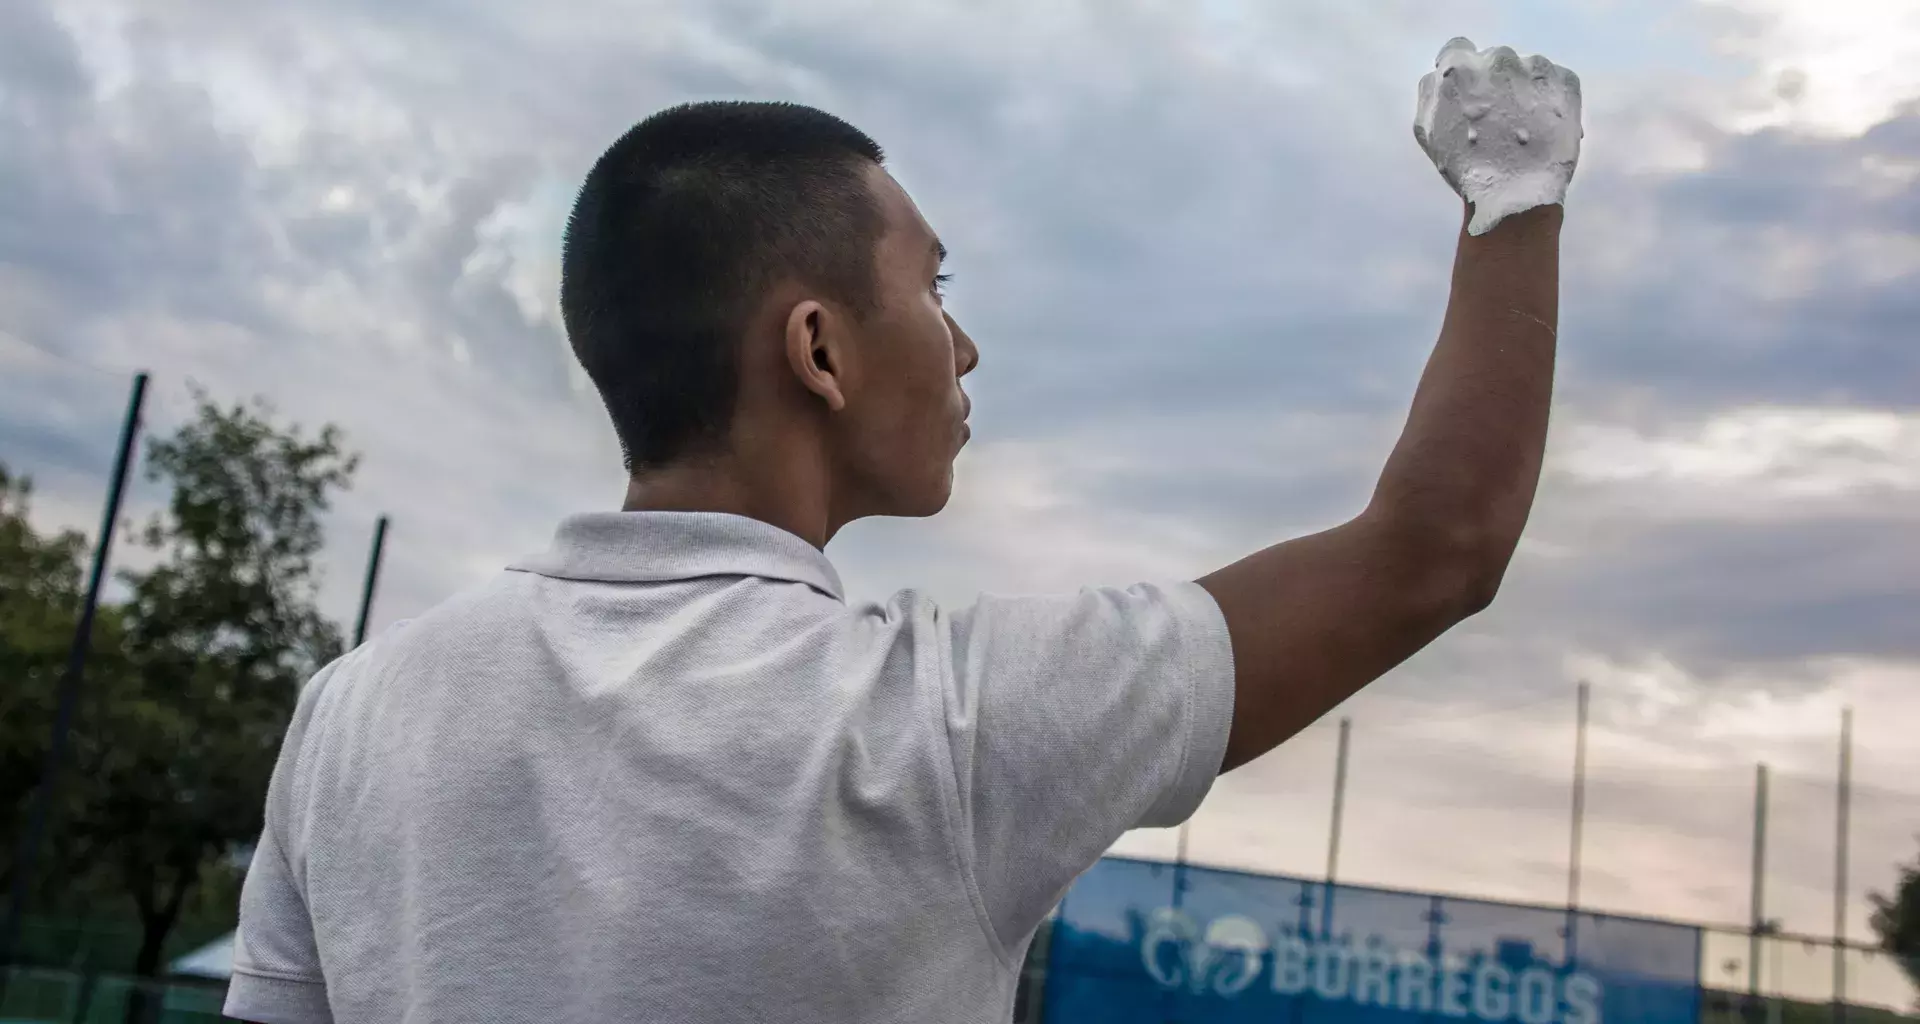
(1316, 618)
(1464, 472)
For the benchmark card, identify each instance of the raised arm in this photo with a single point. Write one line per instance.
(1315, 619)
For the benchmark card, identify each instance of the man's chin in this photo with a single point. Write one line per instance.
(919, 500)
(929, 509)
(933, 501)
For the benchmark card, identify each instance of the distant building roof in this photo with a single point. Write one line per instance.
(213, 960)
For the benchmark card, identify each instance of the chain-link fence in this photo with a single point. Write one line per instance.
(39, 996)
(1799, 979)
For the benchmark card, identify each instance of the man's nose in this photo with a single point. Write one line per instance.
(966, 355)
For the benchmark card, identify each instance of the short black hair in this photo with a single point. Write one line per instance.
(678, 232)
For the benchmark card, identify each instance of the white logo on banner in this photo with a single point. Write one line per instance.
(1230, 954)
(1225, 961)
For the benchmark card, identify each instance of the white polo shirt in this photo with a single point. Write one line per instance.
(666, 772)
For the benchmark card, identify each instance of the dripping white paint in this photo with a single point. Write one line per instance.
(1503, 130)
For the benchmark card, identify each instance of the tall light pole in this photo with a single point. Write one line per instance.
(1579, 798)
(1844, 807)
(373, 577)
(1758, 901)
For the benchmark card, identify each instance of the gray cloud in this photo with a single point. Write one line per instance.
(1757, 282)
(1713, 595)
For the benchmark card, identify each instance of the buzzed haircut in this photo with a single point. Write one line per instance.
(680, 229)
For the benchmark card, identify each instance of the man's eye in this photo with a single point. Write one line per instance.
(940, 283)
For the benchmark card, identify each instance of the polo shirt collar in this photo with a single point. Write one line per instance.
(652, 547)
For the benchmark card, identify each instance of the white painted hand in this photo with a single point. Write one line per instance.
(1504, 132)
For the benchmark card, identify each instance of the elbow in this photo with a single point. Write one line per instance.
(1461, 582)
(1478, 569)
(1480, 588)
(1457, 571)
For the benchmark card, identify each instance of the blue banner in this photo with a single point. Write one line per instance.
(1140, 941)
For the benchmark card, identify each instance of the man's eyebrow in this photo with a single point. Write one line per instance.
(940, 250)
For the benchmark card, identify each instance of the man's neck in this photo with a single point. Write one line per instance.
(789, 497)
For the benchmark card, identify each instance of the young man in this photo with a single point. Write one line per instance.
(667, 772)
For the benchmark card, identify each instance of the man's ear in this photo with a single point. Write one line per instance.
(819, 352)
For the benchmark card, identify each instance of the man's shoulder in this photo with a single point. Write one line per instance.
(473, 614)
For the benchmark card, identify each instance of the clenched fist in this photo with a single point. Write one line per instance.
(1504, 132)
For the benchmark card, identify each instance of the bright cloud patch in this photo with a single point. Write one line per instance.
(1827, 66)
(1763, 453)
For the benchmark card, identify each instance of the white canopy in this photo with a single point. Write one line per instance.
(213, 960)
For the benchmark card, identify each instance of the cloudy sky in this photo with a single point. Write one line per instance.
(1204, 261)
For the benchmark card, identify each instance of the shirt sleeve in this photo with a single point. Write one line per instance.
(276, 962)
(1073, 719)
(276, 967)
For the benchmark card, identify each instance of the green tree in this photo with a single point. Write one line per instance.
(219, 635)
(1896, 919)
(40, 593)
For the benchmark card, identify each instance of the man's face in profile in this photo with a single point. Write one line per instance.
(907, 412)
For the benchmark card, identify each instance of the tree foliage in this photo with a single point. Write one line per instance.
(40, 581)
(221, 632)
(191, 681)
(1896, 919)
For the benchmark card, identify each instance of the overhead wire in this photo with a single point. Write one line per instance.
(56, 355)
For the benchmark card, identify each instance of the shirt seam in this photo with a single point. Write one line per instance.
(266, 975)
(950, 795)
(812, 584)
